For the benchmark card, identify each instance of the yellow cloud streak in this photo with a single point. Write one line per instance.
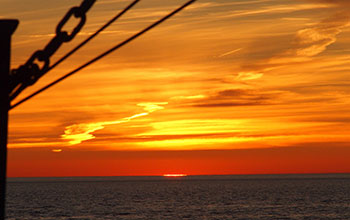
(78, 133)
(188, 97)
(237, 142)
(229, 52)
(205, 126)
(278, 9)
(243, 76)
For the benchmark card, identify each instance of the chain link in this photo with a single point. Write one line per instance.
(77, 13)
(32, 70)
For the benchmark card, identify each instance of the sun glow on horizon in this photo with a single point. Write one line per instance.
(174, 175)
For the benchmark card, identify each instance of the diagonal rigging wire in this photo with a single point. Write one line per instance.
(12, 96)
(93, 35)
(105, 53)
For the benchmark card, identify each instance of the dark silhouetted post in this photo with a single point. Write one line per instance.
(7, 27)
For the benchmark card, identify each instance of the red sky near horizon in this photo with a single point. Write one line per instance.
(224, 87)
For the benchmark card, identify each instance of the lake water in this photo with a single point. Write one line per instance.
(193, 197)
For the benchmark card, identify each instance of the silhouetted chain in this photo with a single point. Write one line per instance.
(116, 47)
(27, 74)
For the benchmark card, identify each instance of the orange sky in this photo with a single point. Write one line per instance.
(224, 87)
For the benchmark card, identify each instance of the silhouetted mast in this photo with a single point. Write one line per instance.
(7, 27)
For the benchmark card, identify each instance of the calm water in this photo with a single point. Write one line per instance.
(195, 197)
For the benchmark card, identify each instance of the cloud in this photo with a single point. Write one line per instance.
(313, 41)
(229, 104)
(206, 5)
(237, 97)
(249, 76)
(152, 106)
(305, 44)
(188, 97)
(333, 2)
(276, 9)
(78, 133)
(229, 52)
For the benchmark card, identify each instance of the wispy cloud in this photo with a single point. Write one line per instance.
(313, 41)
(237, 97)
(152, 106)
(249, 76)
(276, 9)
(302, 46)
(229, 52)
(188, 97)
(339, 3)
(78, 133)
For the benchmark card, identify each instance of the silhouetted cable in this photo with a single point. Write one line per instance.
(30, 72)
(104, 54)
(57, 43)
(93, 35)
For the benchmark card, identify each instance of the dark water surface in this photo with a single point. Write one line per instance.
(192, 197)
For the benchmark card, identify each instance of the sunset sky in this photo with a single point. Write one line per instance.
(224, 87)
